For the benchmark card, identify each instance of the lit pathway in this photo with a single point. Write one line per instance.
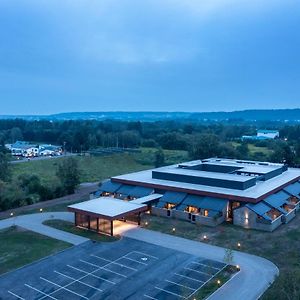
(254, 278)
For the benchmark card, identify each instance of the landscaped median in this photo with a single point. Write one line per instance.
(69, 227)
(216, 282)
(20, 247)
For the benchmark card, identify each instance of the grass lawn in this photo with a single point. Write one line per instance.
(254, 149)
(19, 247)
(69, 227)
(93, 168)
(97, 168)
(281, 246)
(147, 156)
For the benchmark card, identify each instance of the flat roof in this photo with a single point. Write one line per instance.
(107, 207)
(261, 188)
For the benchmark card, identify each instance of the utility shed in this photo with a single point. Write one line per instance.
(100, 213)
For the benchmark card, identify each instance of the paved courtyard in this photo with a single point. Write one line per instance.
(126, 269)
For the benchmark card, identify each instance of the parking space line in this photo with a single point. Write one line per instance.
(142, 263)
(87, 274)
(147, 296)
(189, 277)
(208, 281)
(94, 255)
(187, 268)
(91, 274)
(182, 285)
(143, 254)
(197, 263)
(114, 272)
(103, 268)
(111, 262)
(37, 290)
(79, 281)
(62, 288)
(17, 296)
(167, 291)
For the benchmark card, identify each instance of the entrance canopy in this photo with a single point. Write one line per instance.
(108, 208)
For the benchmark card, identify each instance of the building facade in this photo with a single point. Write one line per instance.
(250, 194)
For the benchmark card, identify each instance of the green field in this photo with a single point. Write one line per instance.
(281, 246)
(97, 168)
(92, 168)
(254, 149)
(19, 247)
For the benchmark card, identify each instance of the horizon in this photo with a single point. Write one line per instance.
(148, 56)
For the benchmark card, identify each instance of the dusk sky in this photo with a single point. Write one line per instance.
(158, 55)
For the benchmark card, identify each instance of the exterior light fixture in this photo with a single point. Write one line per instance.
(238, 268)
(146, 223)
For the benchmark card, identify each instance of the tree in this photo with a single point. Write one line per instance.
(228, 256)
(4, 167)
(69, 174)
(205, 146)
(159, 158)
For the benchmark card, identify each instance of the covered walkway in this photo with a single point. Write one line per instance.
(105, 213)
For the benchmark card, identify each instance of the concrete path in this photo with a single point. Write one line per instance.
(254, 278)
(251, 282)
(34, 222)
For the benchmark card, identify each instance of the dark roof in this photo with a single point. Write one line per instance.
(173, 197)
(109, 186)
(160, 204)
(293, 189)
(140, 191)
(125, 189)
(261, 209)
(278, 199)
(192, 200)
(213, 213)
(213, 203)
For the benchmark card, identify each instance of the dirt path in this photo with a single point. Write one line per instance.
(82, 192)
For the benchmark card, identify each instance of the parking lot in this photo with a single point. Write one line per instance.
(127, 269)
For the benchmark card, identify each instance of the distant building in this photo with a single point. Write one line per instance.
(250, 194)
(25, 149)
(269, 134)
(262, 135)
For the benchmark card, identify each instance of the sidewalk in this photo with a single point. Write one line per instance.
(34, 222)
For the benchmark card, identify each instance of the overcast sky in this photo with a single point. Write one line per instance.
(158, 55)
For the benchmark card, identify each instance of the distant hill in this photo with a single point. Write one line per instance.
(287, 115)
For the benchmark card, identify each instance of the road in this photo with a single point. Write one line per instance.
(41, 158)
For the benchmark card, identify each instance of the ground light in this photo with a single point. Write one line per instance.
(205, 237)
(238, 268)
(146, 223)
(219, 282)
(239, 245)
(173, 229)
(11, 214)
(41, 210)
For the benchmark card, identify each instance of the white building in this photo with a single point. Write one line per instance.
(268, 134)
